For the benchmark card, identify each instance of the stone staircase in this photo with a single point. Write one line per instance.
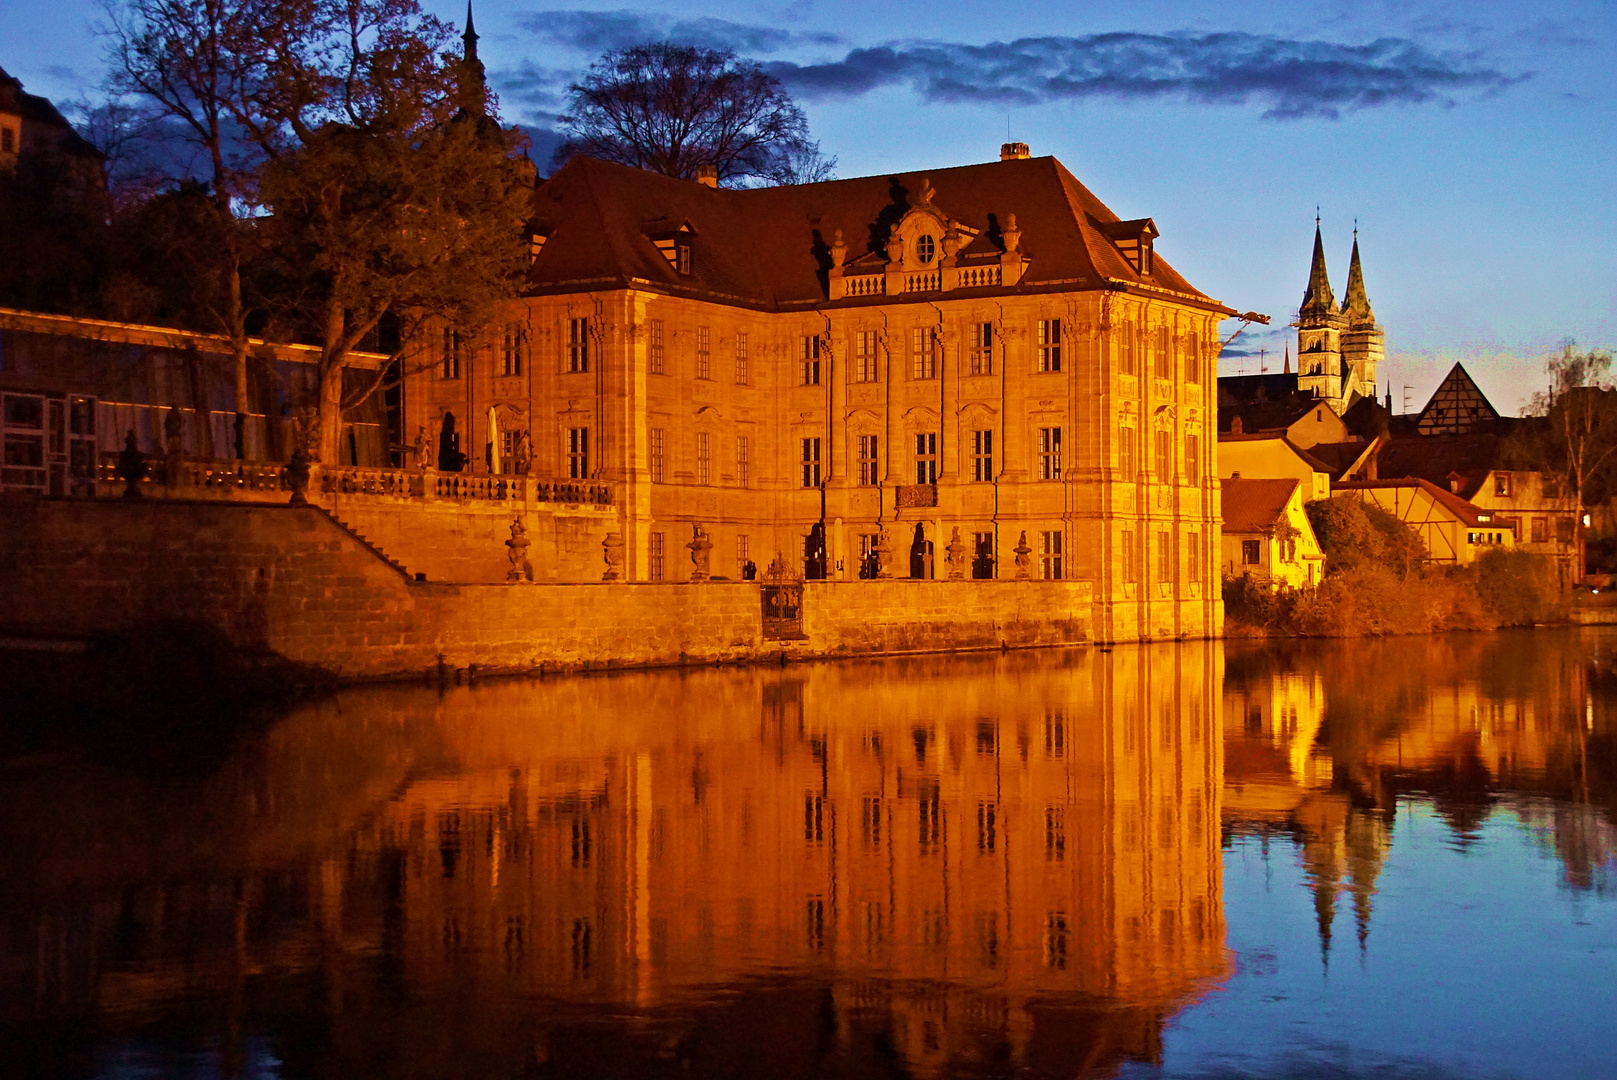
(375, 550)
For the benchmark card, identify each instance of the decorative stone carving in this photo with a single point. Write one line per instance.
(839, 250)
(422, 448)
(1024, 557)
(884, 554)
(955, 555)
(1011, 234)
(132, 467)
(701, 550)
(522, 459)
(612, 551)
(924, 198)
(516, 550)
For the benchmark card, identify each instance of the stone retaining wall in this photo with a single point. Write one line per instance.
(292, 580)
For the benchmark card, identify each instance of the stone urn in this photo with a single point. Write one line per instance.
(516, 550)
(612, 551)
(298, 471)
(1024, 557)
(884, 555)
(701, 551)
(955, 555)
(132, 467)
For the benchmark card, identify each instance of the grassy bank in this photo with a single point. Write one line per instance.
(1376, 584)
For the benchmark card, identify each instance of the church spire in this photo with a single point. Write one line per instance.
(470, 36)
(1318, 296)
(1356, 304)
(472, 94)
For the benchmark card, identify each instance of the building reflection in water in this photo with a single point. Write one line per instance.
(1323, 741)
(924, 866)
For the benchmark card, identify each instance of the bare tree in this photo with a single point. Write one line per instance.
(673, 109)
(1579, 414)
(196, 62)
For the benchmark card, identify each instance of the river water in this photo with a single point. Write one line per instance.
(1199, 860)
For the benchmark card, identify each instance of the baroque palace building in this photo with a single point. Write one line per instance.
(980, 372)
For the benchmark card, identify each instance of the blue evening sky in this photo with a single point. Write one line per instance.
(1474, 142)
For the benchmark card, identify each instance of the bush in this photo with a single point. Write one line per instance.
(1354, 533)
(1519, 588)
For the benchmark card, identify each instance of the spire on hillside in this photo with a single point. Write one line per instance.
(1287, 371)
(1356, 304)
(1318, 296)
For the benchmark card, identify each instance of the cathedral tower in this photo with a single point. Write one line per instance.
(1363, 341)
(1319, 334)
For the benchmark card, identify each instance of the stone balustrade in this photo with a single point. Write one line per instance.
(267, 481)
(866, 285)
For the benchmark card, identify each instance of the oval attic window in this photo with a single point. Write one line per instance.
(925, 248)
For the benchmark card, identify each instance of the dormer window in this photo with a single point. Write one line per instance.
(1134, 240)
(925, 249)
(672, 238)
(536, 244)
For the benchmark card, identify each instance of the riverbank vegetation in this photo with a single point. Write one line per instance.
(1377, 583)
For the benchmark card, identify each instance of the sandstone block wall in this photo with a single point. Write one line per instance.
(293, 581)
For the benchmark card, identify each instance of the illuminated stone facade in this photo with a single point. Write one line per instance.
(984, 350)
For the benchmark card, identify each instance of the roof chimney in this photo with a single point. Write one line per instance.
(1013, 150)
(707, 175)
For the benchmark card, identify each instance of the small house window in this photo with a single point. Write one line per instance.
(682, 258)
(1501, 485)
(1251, 552)
(926, 457)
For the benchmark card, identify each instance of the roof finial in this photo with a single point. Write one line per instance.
(470, 36)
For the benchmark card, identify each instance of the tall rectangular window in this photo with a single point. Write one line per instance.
(1126, 353)
(1049, 453)
(655, 356)
(578, 345)
(869, 460)
(512, 349)
(1164, 352)
(926, 457)
(982, 457)
(1050, 556)
(1193, 556)
(869, 558)
(742, 375)
(1049, 344)
(1193, 358)
(809, 361)
(1164, 456)
(1125, 454)
(1251, 552)
(704, 458)
(743, 554)
(1131, 572)
(449, 367)
(578, 453)
(864, 348)
(654, 454)
(811, 463)
(982, 563)
(1193, 459)
(655, 569)
(743, 461)
(704, 353)
(923, 353)
(982, 349)
(1165, 556)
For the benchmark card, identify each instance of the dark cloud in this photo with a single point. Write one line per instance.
(598, 31)
(1291, 79)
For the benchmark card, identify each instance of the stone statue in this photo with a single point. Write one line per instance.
(173, 448)
(701, 549)
(612, 552)
(884, 554)
(1011, 234)
(1024, 557)
(422, 448)
(132, 467)
(839, 250)
(517, 553)
(955, 555)
(523, 456)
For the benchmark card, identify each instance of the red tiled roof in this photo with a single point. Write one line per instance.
(1437, 457)
(1255, 505)
(770, 247)
(1460, 508)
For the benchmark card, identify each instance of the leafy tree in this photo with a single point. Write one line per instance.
(673, 109)
(1577, 433)
(1354, 533)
